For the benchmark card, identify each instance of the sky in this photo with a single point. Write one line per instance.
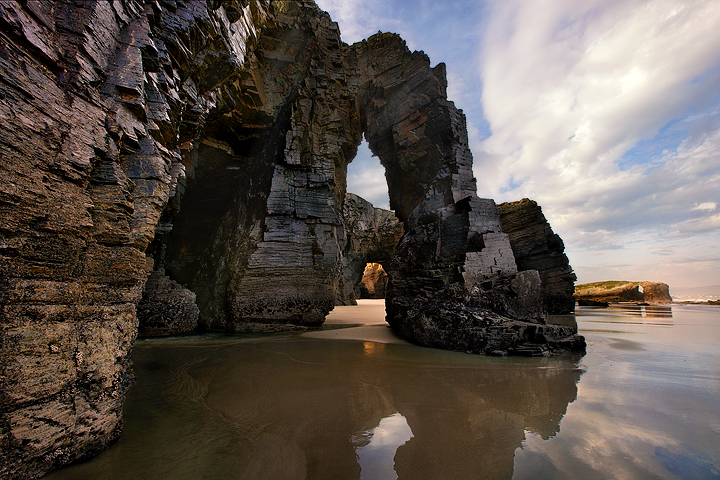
(605, 112)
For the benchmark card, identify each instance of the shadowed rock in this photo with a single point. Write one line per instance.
(537, 247)
(371, 236)
(166, 309)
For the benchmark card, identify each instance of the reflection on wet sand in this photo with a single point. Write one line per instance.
(642, 403)
(375, 449)
(292, 407)
(631, 310)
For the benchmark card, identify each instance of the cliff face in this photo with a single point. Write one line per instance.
(98, 100)
(656, 292)
(204, 144)
(537, 247)
(620, 291)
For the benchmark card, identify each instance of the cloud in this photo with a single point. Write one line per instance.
(706, 206)
(570, 87)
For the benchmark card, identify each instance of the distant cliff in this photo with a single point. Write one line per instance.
(622, 291)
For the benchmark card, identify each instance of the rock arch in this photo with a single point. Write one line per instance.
(371, 237)
(210, 139)
(275, 248)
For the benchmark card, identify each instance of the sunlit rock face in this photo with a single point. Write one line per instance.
(373, 282)
(536, 247)
(207, 142)
(620, 291)
(103, 106)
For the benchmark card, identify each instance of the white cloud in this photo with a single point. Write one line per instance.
(569, 88)
(706, 206)
(573, 90)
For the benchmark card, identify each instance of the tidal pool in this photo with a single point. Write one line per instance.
(359, 403)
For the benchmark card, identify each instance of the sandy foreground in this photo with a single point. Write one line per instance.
(368, 314)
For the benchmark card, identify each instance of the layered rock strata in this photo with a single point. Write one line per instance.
(97, 101)
(206, 143)
(602, 293)
(536, 247)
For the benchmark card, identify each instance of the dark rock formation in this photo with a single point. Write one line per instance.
(622, 291)
(453, 249)
(210, 139)
(373, 283)
(371, 236)
(98, 100)
(536, 247)
(167, 308)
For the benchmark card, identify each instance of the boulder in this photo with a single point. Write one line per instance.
(167, 308)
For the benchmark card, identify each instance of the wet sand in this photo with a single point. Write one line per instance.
(642, 403)
(365, 321)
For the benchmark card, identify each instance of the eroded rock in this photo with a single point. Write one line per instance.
(209, 140)
(371, 236)
(537, 247)
(602, 293)
(167, 308)
(96, 98)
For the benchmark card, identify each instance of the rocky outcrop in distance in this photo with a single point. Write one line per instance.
(622, 291)
(537, 247)
(203, 145)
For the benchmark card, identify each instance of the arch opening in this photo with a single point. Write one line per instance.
(366, 177)
(373, 283)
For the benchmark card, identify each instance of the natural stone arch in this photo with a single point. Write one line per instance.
(405, 117)
(371, 237)
(266, 251)
(453, 247)
(120, 101)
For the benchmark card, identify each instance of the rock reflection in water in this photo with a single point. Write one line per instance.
(289, 407)
(644, 311)
(375, 449)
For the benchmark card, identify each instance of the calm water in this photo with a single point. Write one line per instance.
(644, 402)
